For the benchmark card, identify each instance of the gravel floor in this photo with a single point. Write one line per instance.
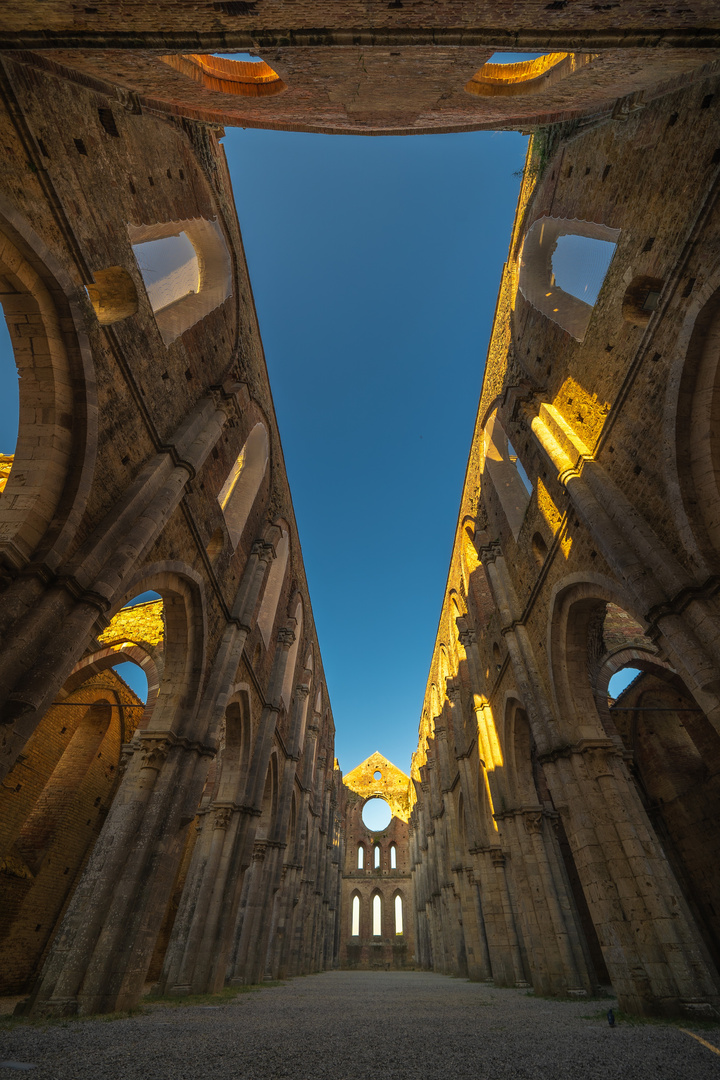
(357, 1025)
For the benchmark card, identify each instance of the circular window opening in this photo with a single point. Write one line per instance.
(377, 775)
(376, 815)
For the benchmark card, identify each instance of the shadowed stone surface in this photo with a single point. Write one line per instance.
(357, 1025)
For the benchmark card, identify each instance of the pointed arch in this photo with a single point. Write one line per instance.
(502, 465)
(239, 491)
(377, 914)
(355, 915)
(289, 679)
(273, 588)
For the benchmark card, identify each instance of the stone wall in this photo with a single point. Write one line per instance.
(389, 949)
(216, 855)
(556, 841)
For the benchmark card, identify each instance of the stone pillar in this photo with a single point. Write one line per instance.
(51, 637)
(653, 577)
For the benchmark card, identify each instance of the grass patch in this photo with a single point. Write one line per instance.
(226, 995)
(630, 1020)
(10, 1022)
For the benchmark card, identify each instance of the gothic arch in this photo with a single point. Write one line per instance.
(696, 438)
(273, 588)
(184, 642)
(238, 493)
(578, 606)
(236, 748)
(500, 465)
(53, 460)
(289, 679)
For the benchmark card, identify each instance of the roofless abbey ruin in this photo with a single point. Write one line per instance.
(547, 835)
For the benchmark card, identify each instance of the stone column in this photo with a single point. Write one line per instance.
(51, 637)
(653, 576)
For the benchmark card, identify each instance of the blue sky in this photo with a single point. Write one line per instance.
(375, 265)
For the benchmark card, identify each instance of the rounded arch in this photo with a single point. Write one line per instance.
(199, 283)
(591, 248)
(526, 76)
(238, 493)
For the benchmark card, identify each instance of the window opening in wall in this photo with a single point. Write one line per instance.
(513, 57)
(355, 921)
(271, 596)
(580, 265)
(377, 916)
(135, 677)
(361, 857)
(228, 73)
(621, 680)
(9, 402)
(237, 495)
(169, 269)
(376, 815)
(377, 775)
(519, 466)
(376, 856)
(186, 268)
(563, 265)
(393, 857)
(245, 57)
(398, 915)
(539, 548)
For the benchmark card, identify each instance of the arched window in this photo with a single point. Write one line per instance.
(398, 915)
(508, 74)
(230, 74)
(355, 921)
(376, 856)
(377, 915)
(187, 271)
(562, 268)
(507, 474)
(289, 679)
(238, 493)
(393, 857)
(271, 596)
(360, 857)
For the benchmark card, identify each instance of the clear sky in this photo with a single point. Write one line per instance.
(375, 265)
